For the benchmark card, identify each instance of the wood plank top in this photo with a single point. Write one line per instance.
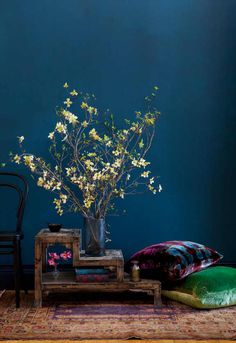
(111, 258)
(63, 234)
(110, 254)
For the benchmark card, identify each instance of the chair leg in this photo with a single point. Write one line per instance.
(22, 274)
(17, 271)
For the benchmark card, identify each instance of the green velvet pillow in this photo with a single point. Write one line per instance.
(210, 288)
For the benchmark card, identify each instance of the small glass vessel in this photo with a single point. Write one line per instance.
(135, 272)
(55, 272)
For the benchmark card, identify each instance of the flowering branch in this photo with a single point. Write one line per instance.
(94, 167)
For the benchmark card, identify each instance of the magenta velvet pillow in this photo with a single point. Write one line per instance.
(174, 260)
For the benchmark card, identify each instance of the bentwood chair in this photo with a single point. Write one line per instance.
(10, 238)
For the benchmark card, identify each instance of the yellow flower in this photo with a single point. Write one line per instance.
(135, 162)
(151, 181)
(65, 85)
(61, 128)
(141, 144)
(89, 165)
(72, 118)
(116, 152)
(17, 159)
(140, 163)
(51, 135)
(135, 128)
(117, 163)
(88, 201)
(97, 176)
(143, 163)
(28, 159)
(93, 134)
(58, 202)
(68, 102)
(45, 174)
(84, 123)
(109, 144)
(92, 110)
(84, 105)
(74, 93)
(151, 188)
(70, 171)
(40, 182)
(63, 198)
(20, 139)
(32, 167)
(145, 174)
(57, 186)
(149, 121)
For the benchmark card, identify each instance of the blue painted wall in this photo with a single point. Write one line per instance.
(119, 49)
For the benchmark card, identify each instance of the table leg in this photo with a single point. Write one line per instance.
(44, 256)
(120, 272)
(157, 297)
(38, 274)
(75, 250)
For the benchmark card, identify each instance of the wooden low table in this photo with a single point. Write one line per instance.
(66, 282)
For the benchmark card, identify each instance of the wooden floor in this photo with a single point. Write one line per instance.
(123, 341)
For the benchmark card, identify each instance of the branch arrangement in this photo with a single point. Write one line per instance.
(93, 161)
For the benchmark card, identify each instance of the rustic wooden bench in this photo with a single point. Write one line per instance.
(66, 281)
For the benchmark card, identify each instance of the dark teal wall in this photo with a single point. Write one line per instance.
(119, 49)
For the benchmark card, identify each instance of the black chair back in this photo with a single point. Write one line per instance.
(22, 193)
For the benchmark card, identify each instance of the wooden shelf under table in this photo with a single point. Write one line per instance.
(66, 283)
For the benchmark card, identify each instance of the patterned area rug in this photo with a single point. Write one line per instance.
(111, 316)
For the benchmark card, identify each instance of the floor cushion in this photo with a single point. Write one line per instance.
(213, 287)
(174, 260)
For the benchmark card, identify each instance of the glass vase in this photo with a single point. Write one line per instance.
(95, 230)
(55, 272)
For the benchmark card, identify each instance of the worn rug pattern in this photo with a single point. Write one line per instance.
(111, 316)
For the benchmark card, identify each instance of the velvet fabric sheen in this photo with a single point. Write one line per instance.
(174, 260)
(211, 288)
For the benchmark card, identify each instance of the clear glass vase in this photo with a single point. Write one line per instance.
(95, 230)
(55, 272)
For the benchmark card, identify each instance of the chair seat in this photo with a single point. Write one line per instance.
(10, 236)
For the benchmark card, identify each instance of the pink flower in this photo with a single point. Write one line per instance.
(52, 262)
(66, 255)
(54, 255)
